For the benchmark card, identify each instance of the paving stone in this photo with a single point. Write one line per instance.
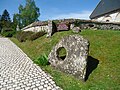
(29, 84)
(3, 88)
(46, 82)
(35, 88)
(37, 84)
(44, 88)
(22, 89)
(23, 86)
(0, 86)
(12, 89)
(42, 83)
(49, 88)
(17, 71)
(27, 88)
(17, 88)
(40, 87)
(45, 85)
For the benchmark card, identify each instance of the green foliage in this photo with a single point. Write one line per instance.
(27, 14)
(37, 35)
(0, 24)
(5, 21)
(61, 53)
(42, 60)
(28, 35)
(7, 32)
(6, 26)
(5, 16)
(16, 20)
(23, 36)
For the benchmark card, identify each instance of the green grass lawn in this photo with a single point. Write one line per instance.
(104, 46)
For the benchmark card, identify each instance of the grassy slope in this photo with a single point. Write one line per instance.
(104, 46)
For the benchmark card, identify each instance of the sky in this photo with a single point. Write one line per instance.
(54, 9)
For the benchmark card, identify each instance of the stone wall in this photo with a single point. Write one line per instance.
(88, 24)
(51, 28)
(95, 26)
(75, 24)
(41, 26)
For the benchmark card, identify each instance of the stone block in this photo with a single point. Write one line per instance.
(63, 27)
(51, 28)
(76, 29)
(75, 60)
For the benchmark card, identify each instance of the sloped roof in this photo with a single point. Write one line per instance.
(34, 24)
(104, 7)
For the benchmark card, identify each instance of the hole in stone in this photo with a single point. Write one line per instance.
(107, 20)
(91, 25)
(61, 53)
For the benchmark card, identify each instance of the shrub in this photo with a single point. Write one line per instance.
(42, 60)
(36, 35)
(7, 32)
(23, 36)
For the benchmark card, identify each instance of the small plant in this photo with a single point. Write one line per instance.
(42, 60)
(37, 35)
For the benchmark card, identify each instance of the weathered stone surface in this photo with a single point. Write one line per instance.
(76, 58)
(76, 29)
(18, 29)
(72, 26)
(101, 26)
(63, 26)
(50, 29)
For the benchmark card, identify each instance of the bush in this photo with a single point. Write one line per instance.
(23, 36)
(36, 35)
(7, 32)
(42, 60)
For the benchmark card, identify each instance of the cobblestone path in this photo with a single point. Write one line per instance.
(17, 71)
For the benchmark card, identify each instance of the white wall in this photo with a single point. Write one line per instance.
(117, 19)
(37, 29)
(114, 17)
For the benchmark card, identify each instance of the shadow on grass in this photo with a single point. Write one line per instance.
(91, 65)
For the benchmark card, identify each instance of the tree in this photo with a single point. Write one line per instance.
(5, 16)
(16, 19)
(0, 17)
(27, 14)
(5, 19)
(6, 24)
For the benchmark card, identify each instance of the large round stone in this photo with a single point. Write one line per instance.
(74, 61)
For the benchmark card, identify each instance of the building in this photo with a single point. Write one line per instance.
(107, 11)
(36, 27)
